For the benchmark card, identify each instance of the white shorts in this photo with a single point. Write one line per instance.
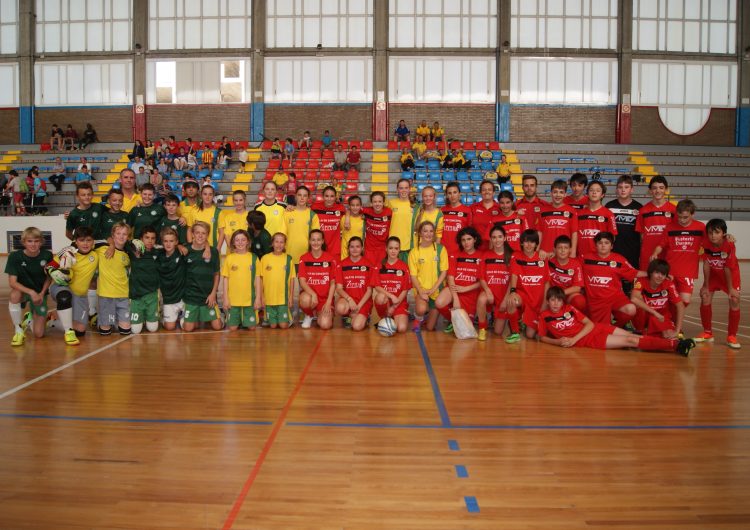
(171, 312)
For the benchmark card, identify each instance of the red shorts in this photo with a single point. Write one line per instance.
(18, 197)
(499, 293)
(321, 302)
(469, 301)
(401, 309)
(718, 282)
(647, 322)
(600, 311)
(366, 309)
(684, 285)
(530, 310)
(597, 339)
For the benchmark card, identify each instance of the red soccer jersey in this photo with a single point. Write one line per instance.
(513, 226)
(556, 222)
(660, 297)
(318, 272)
(651, 222)
(530, 210)
(682, 247)
(566, 323)
(602, 275)
(464, 268)
(577, 204)
(330, 218)
(355, 277)
(590, 223)
(532, 273)
(496, 273)
(482, 218)
(394, 278)
(565, 276)
(720, 258)
(454, 219)
(377, 227)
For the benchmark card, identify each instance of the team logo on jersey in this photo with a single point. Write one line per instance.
(124, 259)
(566, 214)
(540, 263)
(613, 264)
(571, 272)
(724, 255)
(589, 232)
(599, 280)
(290, 221)
(268, 267)
(94, 214)
(363, 268)
(567, 315)
(211, 312)
(399, 273)
(91, 259)
(664, 292)
(537, 209)
(153, 212)
(667, 214)
(325, 264)
(338, 214)
(43, 262)
(531, 279)
(600, 218)
(637, 286)
(517, 221)
(234, 267)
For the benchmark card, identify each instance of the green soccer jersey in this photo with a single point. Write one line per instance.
(91, 216)
(199, 276)
(28, 270)
(172, 276)
(175, 225)
(144, 273)
(109, 218)
(142, 216)
(261, 244)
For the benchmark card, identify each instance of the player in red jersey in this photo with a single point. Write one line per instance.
(721, 272)
(494, 276)
(510, 221)
(653, 218)
(485, 212)
(377, 226)
(593, 219)
(317, 281)
(567, 274)
(563, 325)
(577, 198)
(456, 216)
(354, 277)
(682, 244)
(330, 214)
(529, 207)
(603, 273)
(654, 297)
(528, 281)
(463, 287)
(557, 219)
(392, 283)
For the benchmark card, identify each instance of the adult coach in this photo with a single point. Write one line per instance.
(131, 197)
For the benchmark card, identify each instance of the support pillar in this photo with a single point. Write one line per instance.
(742, 130)
(502, 82)
(140, 45)
(625, 65)
(380, 131)
(26, 47)
(257, 101)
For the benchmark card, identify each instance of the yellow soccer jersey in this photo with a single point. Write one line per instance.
(423, 131)
(231, 221)
(128, 204)
(113, 274)
(276, 272)
(274, 216)
(356, 228)
(298, 226)
(186, 210)
(401, 224)
(82, 272)
(210, 216)
(239, 271)
(427, 265)
(280, 178)
(436, 218)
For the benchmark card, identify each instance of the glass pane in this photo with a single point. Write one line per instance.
(210, 33)
(572, 8)
(121, 9)
(554, 33)
(718, 38)
(236, 33)
(573, 81)
(452, 32)
(52, 37)
(357, 7)
(311, 33)
(692, 9)
(432, 8)
(480, 7)
(193, 34)
(77, 10)
(719, 10)
(8, 41)
(329, 80)
(192, 8)
(166, 8)
(647, 35)
(95, 9)
(8, 12)
(676, 84)
(356, 80)
(283, 7)
(405, 32)
(478, 33)
(599, 33)
(732, 31)
(693, 84)
(92, 77)
(433, 32)
(284, 32)
(451, 7)
(166, 34)
(572, 33)
(311, 7)
(600, 83)
(357, 32)
(210, 9)
(674, 8)
(283, 80)
(599, 8)
(119, 84)
(95, 35)
(7, 79)
(236, 8)
(527, 7)
(648, 9)
(433, 89)
(692, 36)
(529, 81)
(674, 36)
(452, 77)
(52, 10)
(74, 84)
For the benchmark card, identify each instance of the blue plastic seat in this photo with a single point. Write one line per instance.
(420, 175)
(434, 176)
(440, 200)
(462, 174)
(217, 174)
(465, 187)
(407, 174)
(433, 164)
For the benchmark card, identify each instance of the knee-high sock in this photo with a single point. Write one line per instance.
(65, 316)
(513, 322)
(16, 315)
(734, 322)
(445, 312)
(621, 318)
(91, 295)
(706, 317)
(651, 343)
(579, 302)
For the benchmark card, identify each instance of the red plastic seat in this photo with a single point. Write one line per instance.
(327, 154)
(311, 175)
(469, 146)
(285, 164)
(315, 153)
(269, 174)
(455, 144)
(343, 143)
(481, 146)
(494, 146)
(351, 186)
(300, 164)
(304, 154)
(45, 147)
(355, 143)
(367, 145)
(274, 163)
(324, 175)
(392, 145)
(313, 163)
(406, 144)
(244, 143)
(431, 145)
(317, 144)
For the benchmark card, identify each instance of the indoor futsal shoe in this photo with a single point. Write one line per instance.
(71, 339)
(706, 336)
(482, 335)
(512, 338)
(732, 342)
(18, 339)
(448, 328)
(94, 321)
(684, 346)
(26, 322)
(307, 322)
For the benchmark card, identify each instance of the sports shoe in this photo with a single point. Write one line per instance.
(448, 328)
(26, 322)
(105, 331)
(684, 346)
(512, 338)
(18, 339)
(482, 335)
(347, 322)
(71, 339)
(706, 336)
(307, 322)
(94, 321)
(732, 342)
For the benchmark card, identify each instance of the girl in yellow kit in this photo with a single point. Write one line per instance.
(277, 274)
(402, 223)
(353, 224)
(243, 295)
(232, 220)
(207, 212)
(300, 219)
(428, 211)
(428, 267)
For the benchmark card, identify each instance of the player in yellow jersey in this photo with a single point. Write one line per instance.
(277, 273)
(243, 293)
(299, 220)
(353, 224)
(190, 199)
(208, 213)
(428, 267)
(428, 211)
(402, 223)
(112, 286)
(232, 220)
(272, 209)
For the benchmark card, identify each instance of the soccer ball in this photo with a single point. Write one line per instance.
(387, 327)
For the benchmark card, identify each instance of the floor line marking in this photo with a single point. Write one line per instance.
(280, 421)
(461, 471)
(63, 367)
(453, 445)
(444, 418)
(472, 506)
(697, 321)
(187, 421)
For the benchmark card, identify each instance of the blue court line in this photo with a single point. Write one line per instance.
(453, 445)
(444, 418)
(462, 472)
(472, 506)
(134, 420)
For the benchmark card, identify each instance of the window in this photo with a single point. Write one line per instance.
(83, 25)
(197, 81)
(589, 24)
(685, 92)
(9, 82)
(8, 27)
(443, 24)
(435, 79)
(707, 26)
(199, 24)
(83, 83)
(563, 81)
(330, 23)
(319, 80)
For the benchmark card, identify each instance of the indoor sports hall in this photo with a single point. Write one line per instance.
(108, 102)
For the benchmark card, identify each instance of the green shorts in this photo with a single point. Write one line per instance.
(242, 316)
(200, 313)
(278, 314)
(144, 309)
(38, 310)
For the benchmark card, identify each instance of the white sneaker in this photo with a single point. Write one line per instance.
(307, 322)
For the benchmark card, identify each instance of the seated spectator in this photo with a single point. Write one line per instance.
(18, 187)
(458, 161)
(418, 147)
(437, 133)
(141, 177)
(306, 141)
(83, 175)
(58, 174)
(401, 133)
(291, 189)
(180, 160)
(137, 163)
(88, 138)
(71, 137)
(172, 144)
(280, 178)
(276, 149)
(424, 130)
(354, 158)
(207, 157)
(227, 145)
(339, 159)
(56, 137)
(163, 191)
(192, 161)
(503, 170)
(165, 162)
(190, 146)
(40, 194)
(162, 147)
(407, 159)
(155, 178)
(83, 161)
(446, 159)
(327, 138)
(149, 149)
(139, 151)
(222, 160)
(289, 150)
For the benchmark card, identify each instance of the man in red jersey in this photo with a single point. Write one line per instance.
(682, 243)
(567, 273)
(654, 299)
(485, 212)
(529, 277)
(512, 224)
(456, 216)
(530, 206)
(557, 219)
(653, 218)
(577, 198)
(593, 219)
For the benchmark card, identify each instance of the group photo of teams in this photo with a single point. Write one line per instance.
(569, 269)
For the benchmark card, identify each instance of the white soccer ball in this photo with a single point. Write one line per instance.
(387, 327)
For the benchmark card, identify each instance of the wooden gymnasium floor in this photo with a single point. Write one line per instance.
(312, 429)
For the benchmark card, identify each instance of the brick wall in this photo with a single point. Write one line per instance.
(344, 121)
(464, 122)
(647, 128)
(9, 133)
(199, 122)
(113, 124)
(547, 123)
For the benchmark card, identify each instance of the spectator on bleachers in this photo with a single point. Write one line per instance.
(437, 133)
(227, 145)
(192, 161)
(339, 159)
(418, 148)
(58, 174)
(56, 137)
(354, 158)
(83, 175)
(276, 150)
(83, 161)
(207, 157)
(289, 150)
(281, 178)
(137, 163)
(306, 141)
(327, 139)
(503, 170)
(407, 159)
(291, 189)
(423, 129)
(163, 190)
(165, 162)
(70, 140)
(172, 144)
(401, 133)
(222, 160)
(88, 138)
(139, 151)
(149, 149)
(142, 177)
(180, 160)
(190, 146)
(40, 194)
(17, 186)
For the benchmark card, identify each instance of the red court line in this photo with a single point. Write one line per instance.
(271, 439)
